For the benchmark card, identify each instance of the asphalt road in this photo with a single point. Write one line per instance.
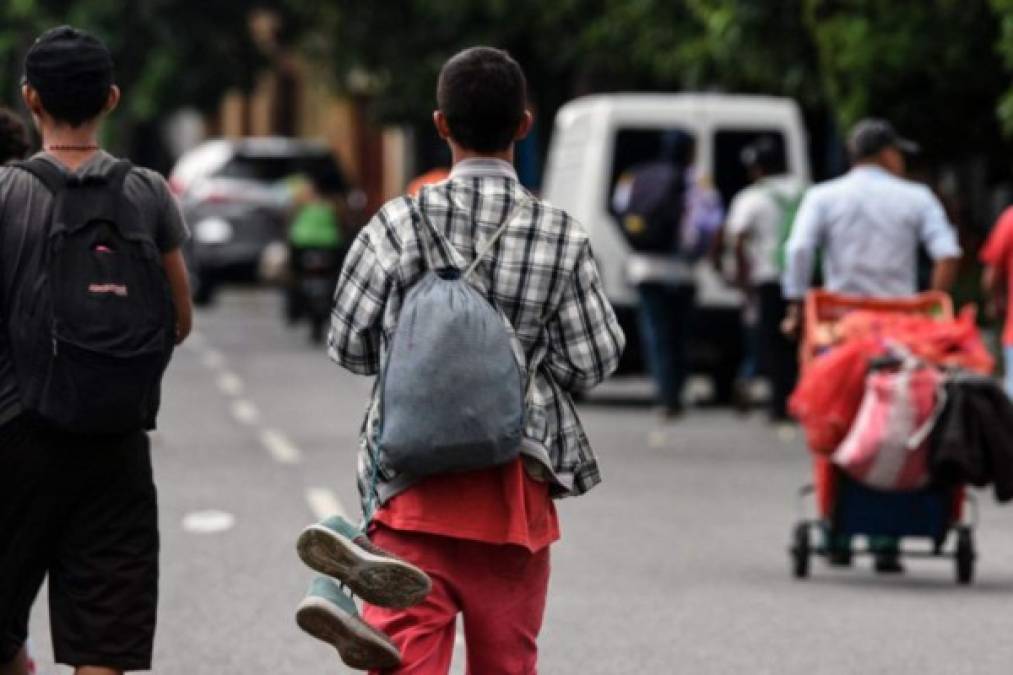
(675, 564)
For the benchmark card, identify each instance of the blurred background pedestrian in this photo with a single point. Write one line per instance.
(759, 223)
(14, 144)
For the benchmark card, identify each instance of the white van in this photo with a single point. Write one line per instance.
(596, 138)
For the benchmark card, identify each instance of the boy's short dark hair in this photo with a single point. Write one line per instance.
(13, 136)
(483, 94)
(72, 71)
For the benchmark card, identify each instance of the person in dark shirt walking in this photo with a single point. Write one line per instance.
(80, 506)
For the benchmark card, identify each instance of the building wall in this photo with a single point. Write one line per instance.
(374, 159)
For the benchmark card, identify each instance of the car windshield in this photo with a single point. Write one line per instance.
(320, 167)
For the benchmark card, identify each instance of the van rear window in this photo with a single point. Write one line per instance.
(729, 174)
(637, 146)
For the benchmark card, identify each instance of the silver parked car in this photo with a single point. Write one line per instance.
(234, 198)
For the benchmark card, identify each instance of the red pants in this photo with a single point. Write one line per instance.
(499, 590)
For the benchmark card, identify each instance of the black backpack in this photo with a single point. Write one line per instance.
(653, 215)
(92, 324)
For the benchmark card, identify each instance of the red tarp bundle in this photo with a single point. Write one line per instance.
(830, 390)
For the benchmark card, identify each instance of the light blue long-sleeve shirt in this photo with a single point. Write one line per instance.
(867, 224)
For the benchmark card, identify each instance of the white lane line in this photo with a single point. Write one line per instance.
(244, 411)
(213, 359)
(657, 439)
(210, 521)
(282, 450)
(230, 383)
(457, 664)
(324, 503)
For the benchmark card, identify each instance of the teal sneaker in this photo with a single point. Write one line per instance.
(341, 550)
(328, 614)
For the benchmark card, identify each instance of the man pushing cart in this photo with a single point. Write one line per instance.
(867, 226)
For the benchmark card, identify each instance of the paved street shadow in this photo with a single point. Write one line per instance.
(862, 580)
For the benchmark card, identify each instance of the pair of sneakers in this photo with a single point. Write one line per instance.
(350, 564)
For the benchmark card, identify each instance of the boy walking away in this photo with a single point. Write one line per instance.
(93, 295)
(759, 222)
(463, 490)
(14, 146)
(13, 137)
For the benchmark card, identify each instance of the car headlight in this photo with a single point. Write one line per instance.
(212, 231)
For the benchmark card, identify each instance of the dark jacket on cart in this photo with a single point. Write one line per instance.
(973, 439)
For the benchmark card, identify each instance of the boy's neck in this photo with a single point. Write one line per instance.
(71, 146)
(459, 154)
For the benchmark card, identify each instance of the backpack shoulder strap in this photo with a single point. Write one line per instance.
(117, 174)
(51, 175)
(431, 234)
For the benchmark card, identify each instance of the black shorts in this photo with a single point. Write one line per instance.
(83, 510)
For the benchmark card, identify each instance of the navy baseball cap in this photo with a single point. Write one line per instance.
(65, 60)
(873, 134)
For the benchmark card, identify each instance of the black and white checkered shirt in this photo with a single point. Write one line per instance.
(540, 274)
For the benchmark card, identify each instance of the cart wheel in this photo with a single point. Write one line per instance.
(801, 549)
(965, 555)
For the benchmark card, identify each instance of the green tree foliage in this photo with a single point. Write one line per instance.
(570, 47)
(168, 53)
(1004, 12)
(929, 65)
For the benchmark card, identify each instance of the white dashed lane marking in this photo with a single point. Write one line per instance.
(324, 503)
(208, 522)
(281, 449)
(245, 411)
(213, 359)
(230, 383)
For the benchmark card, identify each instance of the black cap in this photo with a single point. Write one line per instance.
(872, 134)
(64, 60)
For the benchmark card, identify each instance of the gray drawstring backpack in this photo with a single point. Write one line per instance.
(452, 394)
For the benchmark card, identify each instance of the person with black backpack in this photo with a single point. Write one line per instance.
(479, 308)
(670, 216)
(93, 298)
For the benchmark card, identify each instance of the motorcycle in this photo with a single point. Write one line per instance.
(312, 288)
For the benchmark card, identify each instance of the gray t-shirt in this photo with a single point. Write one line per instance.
(25, 209)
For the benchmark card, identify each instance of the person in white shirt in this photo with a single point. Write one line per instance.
(758, 224)
(867, 226)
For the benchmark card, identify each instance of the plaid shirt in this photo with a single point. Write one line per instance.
(540, 275)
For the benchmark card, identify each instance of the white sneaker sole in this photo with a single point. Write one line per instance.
(380, 581)
(357, 645)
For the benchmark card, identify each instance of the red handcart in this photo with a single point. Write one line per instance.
(848, 508)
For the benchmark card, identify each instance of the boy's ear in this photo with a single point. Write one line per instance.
(32, 100)
(112, 100)
(440, 122)
(524, 128)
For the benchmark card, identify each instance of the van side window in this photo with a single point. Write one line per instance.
(637, 146)
(729, 174)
